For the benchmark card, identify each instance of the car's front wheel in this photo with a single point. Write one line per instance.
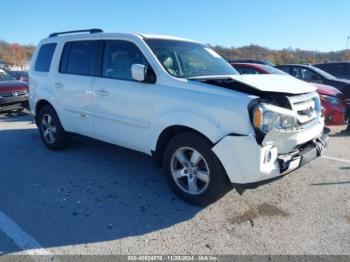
(193, 171)
(51, 130)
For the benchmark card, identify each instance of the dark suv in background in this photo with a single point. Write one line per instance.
(338, 69)
(313, 74)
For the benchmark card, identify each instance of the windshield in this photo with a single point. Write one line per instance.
(186, 59)
(322, 73)
(4, 75)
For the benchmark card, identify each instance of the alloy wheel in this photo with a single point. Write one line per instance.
(190, 170)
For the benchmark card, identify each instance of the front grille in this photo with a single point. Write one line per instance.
(6, 94)
(14, 93)
(306, 107)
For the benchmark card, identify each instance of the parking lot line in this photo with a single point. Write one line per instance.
(28, 244)
(337, 159)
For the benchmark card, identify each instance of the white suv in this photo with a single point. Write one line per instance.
(178, 101)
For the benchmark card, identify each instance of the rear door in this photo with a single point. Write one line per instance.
(78, 66)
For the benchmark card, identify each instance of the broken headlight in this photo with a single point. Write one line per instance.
(268, 117)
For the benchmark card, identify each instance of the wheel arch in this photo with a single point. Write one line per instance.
(38, 106)
(167, 134)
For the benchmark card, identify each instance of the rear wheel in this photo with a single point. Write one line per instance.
(193, 171)
(51, 130)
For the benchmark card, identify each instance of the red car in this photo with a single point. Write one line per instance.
(332, 100)
(13, 93)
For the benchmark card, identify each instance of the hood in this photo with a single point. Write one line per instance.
(275, 83)
(12, 85)
(266, 83)
(328, 90)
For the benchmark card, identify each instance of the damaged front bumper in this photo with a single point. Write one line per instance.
(245, 161)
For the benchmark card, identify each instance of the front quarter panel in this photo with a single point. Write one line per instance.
(212, 114)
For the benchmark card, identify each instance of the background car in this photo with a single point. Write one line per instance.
(252, 68)
(20, 75)
(262, 62)
(313, 74)
(338, 69)
(336, 111)
(13, 93)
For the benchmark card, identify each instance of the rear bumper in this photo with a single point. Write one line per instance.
(245, 161)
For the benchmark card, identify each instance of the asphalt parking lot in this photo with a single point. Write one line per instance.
(95, 198)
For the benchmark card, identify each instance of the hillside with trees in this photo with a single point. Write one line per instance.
(283, 56)
(17, 55)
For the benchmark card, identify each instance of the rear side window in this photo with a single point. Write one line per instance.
(80, 58)
(43, 61)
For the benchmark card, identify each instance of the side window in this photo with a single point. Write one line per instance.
(247, 71)
(118, 58)
(309, 75)
(296, 72)
(285, 69)
(44, 58)
(80, 58)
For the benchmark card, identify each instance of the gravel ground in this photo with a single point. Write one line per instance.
(95, 198)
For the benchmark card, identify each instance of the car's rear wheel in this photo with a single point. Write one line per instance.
(51, 130)
(193, 171)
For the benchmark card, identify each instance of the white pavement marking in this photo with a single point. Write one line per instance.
(28, 244)
(337, 159)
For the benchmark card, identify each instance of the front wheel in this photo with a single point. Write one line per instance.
(193, 171)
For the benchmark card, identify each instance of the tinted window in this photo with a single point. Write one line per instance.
(309, 75)
(284, 69)
(119, 56)
(296, 72)
(43, 61)
(80, 58)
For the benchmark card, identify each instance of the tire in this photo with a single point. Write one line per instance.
(200, 181)
(56, 138)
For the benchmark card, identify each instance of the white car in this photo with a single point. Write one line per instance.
(178, 101)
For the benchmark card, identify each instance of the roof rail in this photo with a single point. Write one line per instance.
(91, 31)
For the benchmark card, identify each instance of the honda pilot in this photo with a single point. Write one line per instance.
(178, 101)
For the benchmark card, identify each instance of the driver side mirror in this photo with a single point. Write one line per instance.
(138, 72)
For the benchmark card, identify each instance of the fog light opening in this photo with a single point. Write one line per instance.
(268, 156)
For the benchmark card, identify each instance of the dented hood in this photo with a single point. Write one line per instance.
(275, 83)
(263, 83)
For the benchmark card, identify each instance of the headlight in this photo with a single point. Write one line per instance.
(268, 117)
(331, 99)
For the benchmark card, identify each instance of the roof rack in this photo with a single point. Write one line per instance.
(91, 31)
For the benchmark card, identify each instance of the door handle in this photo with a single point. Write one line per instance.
(102, 92)
(59, 85)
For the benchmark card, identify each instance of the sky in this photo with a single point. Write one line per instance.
(322, 25)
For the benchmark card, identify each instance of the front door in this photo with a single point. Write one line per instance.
(123, 107)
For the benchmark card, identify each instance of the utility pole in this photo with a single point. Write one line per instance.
(347, 42)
